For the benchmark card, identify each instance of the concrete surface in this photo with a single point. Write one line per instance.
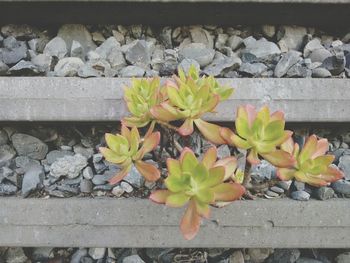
(140, 223)
(100, 99)
(321, 13)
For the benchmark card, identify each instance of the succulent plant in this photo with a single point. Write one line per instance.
(261, 134)
(140, 98)
(189, 98)
(313, 165)
(197, 183)
(124, 149)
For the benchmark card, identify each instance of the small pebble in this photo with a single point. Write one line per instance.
(300, 195)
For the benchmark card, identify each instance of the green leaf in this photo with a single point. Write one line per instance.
(177, 200)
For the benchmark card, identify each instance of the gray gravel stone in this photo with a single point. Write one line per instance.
(298, 186)
(68, 67)
(118, 191)
(78, 255)
(134, 178)
(293, 37)
(126, 187)
(97, 253)
(3, 137)
(263, 171)
(222, 63)
(344, 165)
(87, 152)
(343, 258)
(253, 69)
(7, 189)
(54, 155)
(133, 259)
(42, 253)
(69, 166)
(29, 146)
(138, 53)
(199, 52)
(234, 42)
(77, 50)
(284, 256)
(285, 185)
(324, 193)
(23, 67)
(259, 254)
(223, 151)
(42, 62)
(312, 46)
(288, 60)
(6, 154)
(85, 186)
(132, 71)
(272, 194)
(300, 195)
(268, 30)
(262, 49)
(341, 187)
(335, 64)
(321, 73)
(13, 51)
(3, 68)
(88, 173)
(26, 162)
(15, 255)
(200, 35)
(307, 260)
(32, 180)
(20, 31)
(87, 71)
(236, 257)
(56, 48)
(79, 33)
(319, 55)
(298, 71)
(277, 189)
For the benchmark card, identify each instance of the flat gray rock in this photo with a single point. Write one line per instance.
(199, 52)
(29, 146)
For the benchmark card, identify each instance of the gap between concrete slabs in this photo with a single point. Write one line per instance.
(140, 223)
(101, 99)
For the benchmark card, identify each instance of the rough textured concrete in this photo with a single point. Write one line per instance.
(201, 1)
(100, 99)
(223, 12)
(140, 223)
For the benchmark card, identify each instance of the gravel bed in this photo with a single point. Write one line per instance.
(63, 161)
(137, 51)
(149, 255)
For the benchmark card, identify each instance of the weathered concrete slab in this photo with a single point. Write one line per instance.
(140, 223)
(166, 12)
(101, 99)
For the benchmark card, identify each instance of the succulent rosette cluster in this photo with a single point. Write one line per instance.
(202, 183)
(261, 133)
(126, 149)
(198, 184)
(313, 165)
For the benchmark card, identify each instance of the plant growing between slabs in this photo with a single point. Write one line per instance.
(201, 183)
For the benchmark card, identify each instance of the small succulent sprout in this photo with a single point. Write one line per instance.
(224, 91)
(126, 150)
(261, 134)
(313, 165)
(140, 98)
(189, 98)
(229, 163)
(197, 184)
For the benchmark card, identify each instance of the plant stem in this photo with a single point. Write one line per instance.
(247, 177)
(167, 125)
